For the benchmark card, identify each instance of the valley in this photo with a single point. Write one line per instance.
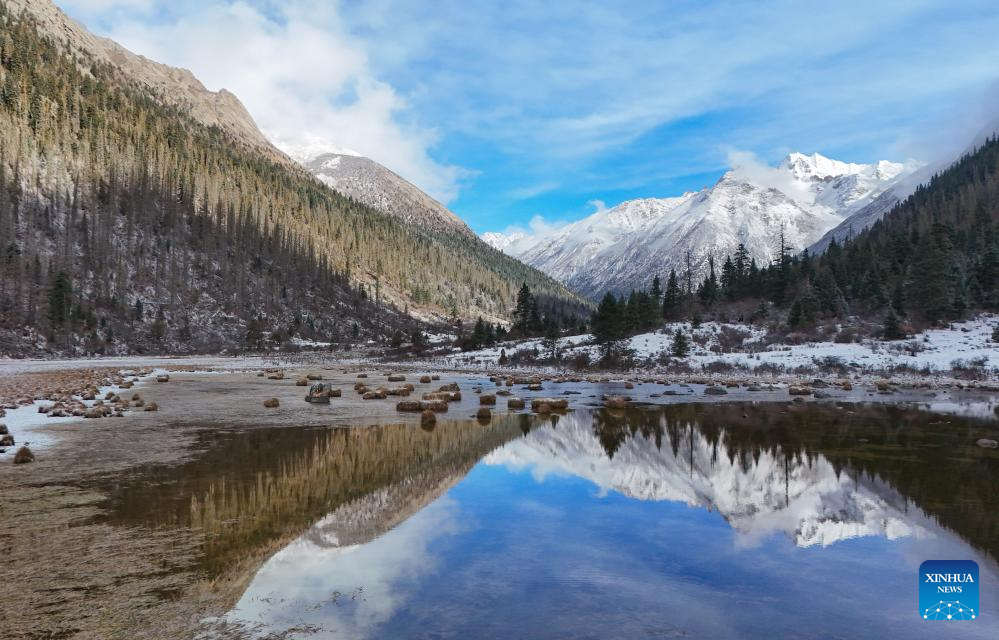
(397, 320)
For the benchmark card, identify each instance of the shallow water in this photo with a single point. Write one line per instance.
(699, 520)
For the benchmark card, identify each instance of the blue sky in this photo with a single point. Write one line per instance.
(521, 110)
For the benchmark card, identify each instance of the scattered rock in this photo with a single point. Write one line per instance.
(629, 385)
(487, 399)
(362, 375)
(616, 402)
(23, 456)
(484, 414)
(152, 406)
(846, 386)
(409, 405)
(3, 429)
(424, 379)
(715, 390)
(272, 403)
(514, 402)
(314, 377)
(541, 407)
(6, 440)
(435, 377)
(302, 382)
(163, 378)
(396, 377)
(428, 418)
(434, 405)
(754, 387)
(553, 404)
(799, 391)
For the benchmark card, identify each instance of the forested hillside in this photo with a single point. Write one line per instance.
(933, 258)
(125, 224)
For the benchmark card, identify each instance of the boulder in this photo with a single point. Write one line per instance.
(514, 402)
(3, 429)
(554, 404)
(6, 440)
(435, 377)
(616, 402)
(799, 391)
(629, 385)
(487, 399)
(362, 375)
(484, 413)
(335, 393)
(152, 406)
(434, 405)
(24, 456)
(427, 418)
(302, 382)
(314, 376)
(163, 378)
(272, 403)
(425, 379)
(396, 377)
(715, 390)
(535, 386)
(409, 405)
(542, 408)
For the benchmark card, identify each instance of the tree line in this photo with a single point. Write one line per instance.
(933, 258)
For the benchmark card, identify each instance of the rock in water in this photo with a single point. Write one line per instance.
(23, 456)
(271, 403)
(715, 391)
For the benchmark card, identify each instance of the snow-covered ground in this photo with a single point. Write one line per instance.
(936, 350)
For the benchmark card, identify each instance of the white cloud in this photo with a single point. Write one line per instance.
(534, 190)
(305, 79)
(747, 166)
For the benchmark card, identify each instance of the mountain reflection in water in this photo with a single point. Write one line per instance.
(716, 520)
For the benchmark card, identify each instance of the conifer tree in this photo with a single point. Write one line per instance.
(680, 346)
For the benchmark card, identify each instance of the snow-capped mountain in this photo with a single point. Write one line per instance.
(621, 248)
(368, 182)
(805, 499)
(899, 190)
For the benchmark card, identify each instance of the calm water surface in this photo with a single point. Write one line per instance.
(686, 521)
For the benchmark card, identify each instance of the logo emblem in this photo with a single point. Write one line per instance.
(948, 590)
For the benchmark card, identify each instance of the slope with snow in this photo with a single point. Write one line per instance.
(372, 184)
(619, 249)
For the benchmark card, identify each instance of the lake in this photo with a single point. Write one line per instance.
(689, 520)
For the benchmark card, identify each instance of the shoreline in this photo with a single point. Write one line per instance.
(53, 511)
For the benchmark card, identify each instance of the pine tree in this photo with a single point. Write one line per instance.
(607, 322)
(680, 346)
(893, 326)
(60, 299)
(672, 298)
(522, 312)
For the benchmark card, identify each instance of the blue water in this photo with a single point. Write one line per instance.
(551, 537)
